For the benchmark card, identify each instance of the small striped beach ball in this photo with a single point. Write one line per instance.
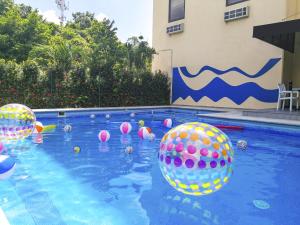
(144, 132)
(125, 128)
(168, 123)
(104, 136)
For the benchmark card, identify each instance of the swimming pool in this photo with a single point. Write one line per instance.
(104, 186)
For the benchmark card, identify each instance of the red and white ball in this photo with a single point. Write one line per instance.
(104, 136)
(125, 128)
(144, 132)
(168, 123)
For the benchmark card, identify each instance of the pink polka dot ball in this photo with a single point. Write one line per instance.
(196, 158)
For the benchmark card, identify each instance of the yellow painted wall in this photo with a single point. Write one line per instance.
(208, 40)
(293, 9)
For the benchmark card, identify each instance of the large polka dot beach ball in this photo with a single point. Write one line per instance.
(104, 136)
(144, 132)
(16, 122)
(196, 158)
(125, 128)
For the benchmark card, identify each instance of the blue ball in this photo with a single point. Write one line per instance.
(7, 166)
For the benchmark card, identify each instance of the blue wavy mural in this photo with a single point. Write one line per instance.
(267, 67)
(218, 89)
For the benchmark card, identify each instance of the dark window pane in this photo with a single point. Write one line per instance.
(176, 10)
(230, 2)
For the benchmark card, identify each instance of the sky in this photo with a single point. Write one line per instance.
(132, 17)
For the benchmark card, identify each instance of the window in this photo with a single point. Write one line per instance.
(176, 10)
(232, 2)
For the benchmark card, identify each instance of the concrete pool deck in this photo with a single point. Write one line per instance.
(238, 115)
(219, 113)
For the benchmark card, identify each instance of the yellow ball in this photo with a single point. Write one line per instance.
(141, 123)
(76, 149)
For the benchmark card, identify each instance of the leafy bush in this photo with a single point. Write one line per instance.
(81, 64)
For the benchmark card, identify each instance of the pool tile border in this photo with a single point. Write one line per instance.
(219, 113)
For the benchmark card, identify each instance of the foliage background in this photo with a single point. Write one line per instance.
(81, 64)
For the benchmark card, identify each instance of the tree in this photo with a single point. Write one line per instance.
(139, 53)
(5, 5)
(82, 64)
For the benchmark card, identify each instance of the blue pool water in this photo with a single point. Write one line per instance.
(104, 186)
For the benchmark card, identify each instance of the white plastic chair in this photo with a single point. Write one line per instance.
(287, 95)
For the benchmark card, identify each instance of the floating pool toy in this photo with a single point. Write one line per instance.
(104, 136)
(1, 147)
(168, 123)
(38, 127)
(77, 149)
(196, 158)
(49, 128)
(125, 128)
(224, 127)
(16, 122)
(132, 115)
(141, 123)
(144, 132)
(242, 144)
(93, 116)
(7, 166)
(107, 116)
(68, 128)
(129, 150)
(260, 204)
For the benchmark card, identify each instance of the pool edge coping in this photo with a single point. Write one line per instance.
(220, 113)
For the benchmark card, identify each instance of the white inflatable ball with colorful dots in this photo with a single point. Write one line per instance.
(132, 115)
(68, 128)
(242, 145)
(16, 122)
(196, 158)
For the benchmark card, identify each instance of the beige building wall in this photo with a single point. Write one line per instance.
(293, 9)
(209, 41)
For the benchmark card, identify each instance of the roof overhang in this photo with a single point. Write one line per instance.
(280, 34)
